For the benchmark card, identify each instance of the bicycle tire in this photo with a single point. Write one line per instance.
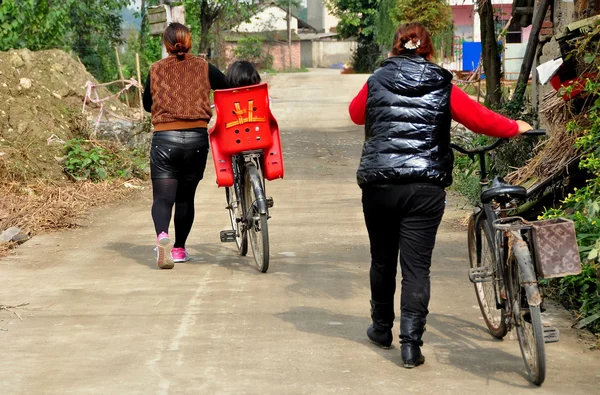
(235, 208)
(486, 292)
(258, 230)
(528, 320)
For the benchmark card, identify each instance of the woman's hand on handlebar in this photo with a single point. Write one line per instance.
(523, 126)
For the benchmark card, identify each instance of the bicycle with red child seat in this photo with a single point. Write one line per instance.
(508, 254)
(248, 208)
(246, 149)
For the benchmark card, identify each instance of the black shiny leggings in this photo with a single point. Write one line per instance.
(177, 163)
(166, 193)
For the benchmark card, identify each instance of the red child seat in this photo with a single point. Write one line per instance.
(244, 123)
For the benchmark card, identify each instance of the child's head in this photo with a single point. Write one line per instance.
(242, 73)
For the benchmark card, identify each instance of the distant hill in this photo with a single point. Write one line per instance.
(130, 21)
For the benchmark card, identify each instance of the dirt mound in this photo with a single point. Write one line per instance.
(41, 99)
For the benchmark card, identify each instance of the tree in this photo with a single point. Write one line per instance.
(435, 15)
(34, 24)
(204, 14)
(489, 53)
(95, 30)
(358, 18)
(144, 24)
(89, 27)
(530, 54)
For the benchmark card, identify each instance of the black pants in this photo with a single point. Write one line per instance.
(405, 218)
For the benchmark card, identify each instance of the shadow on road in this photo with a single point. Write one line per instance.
(468, 346)
(450, 340)
(141, 254)
(199, 254)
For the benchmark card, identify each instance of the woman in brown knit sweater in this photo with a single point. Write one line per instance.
(177, 94)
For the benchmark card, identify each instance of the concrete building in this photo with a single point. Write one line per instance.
(269, 25)
(319, 17)
(270, 17)
(467, 37)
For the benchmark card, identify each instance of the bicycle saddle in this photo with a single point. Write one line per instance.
(502, 192)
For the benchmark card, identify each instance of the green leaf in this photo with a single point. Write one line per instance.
(593, 254)
(589, 58)
(101, 173)
(586, 321)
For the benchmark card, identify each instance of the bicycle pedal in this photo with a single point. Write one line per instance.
(480, 274)
(227, 236)
(269, 202)
(551, 334)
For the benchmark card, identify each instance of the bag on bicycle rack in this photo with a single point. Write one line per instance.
(244, 122)
(555, 245)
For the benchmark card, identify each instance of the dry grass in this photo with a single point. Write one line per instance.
(554, 154)
(45, 206)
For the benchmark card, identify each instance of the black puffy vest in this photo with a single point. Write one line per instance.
(407, 128)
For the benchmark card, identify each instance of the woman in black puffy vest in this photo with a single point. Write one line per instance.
(407, 106)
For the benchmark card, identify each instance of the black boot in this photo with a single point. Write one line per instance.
(412, 327)
(380, 331)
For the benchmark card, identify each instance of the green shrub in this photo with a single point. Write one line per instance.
(466, 170)
(581, 293)
(91, 160)
(251, 49)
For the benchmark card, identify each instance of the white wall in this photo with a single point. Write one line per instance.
(327, 53)
(515, 53)
(269, 19)
(466, 32)
(331, 22)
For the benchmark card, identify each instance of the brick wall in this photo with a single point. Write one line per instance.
(281, 58)
(278, 52)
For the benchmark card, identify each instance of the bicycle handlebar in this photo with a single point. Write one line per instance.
(535, 132)
(495, 144)
(482, 150)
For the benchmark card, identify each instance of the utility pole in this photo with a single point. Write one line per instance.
(289, 29)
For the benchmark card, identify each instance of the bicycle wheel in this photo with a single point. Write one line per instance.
(234, 206)
(528, 319)
(482, 256)
(257, 222)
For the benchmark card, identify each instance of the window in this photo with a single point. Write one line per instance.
(513, 35)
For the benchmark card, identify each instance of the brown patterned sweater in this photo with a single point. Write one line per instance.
(180, 93)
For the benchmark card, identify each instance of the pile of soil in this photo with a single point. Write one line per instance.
(41, 100)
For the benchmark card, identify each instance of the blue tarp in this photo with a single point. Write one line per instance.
(471, 55)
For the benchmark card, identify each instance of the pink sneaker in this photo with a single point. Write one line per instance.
(163, 251)
(180, 255)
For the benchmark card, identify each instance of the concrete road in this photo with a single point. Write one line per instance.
(102, 319)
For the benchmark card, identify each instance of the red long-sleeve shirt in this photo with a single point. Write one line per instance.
(464, 110)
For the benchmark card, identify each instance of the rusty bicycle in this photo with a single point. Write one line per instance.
(507, 255)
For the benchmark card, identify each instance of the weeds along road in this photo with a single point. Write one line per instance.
(102, 319)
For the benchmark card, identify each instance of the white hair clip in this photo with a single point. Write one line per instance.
(410, 45)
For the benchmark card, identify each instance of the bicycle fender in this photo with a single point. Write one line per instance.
(261, 202)
(529, 278)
